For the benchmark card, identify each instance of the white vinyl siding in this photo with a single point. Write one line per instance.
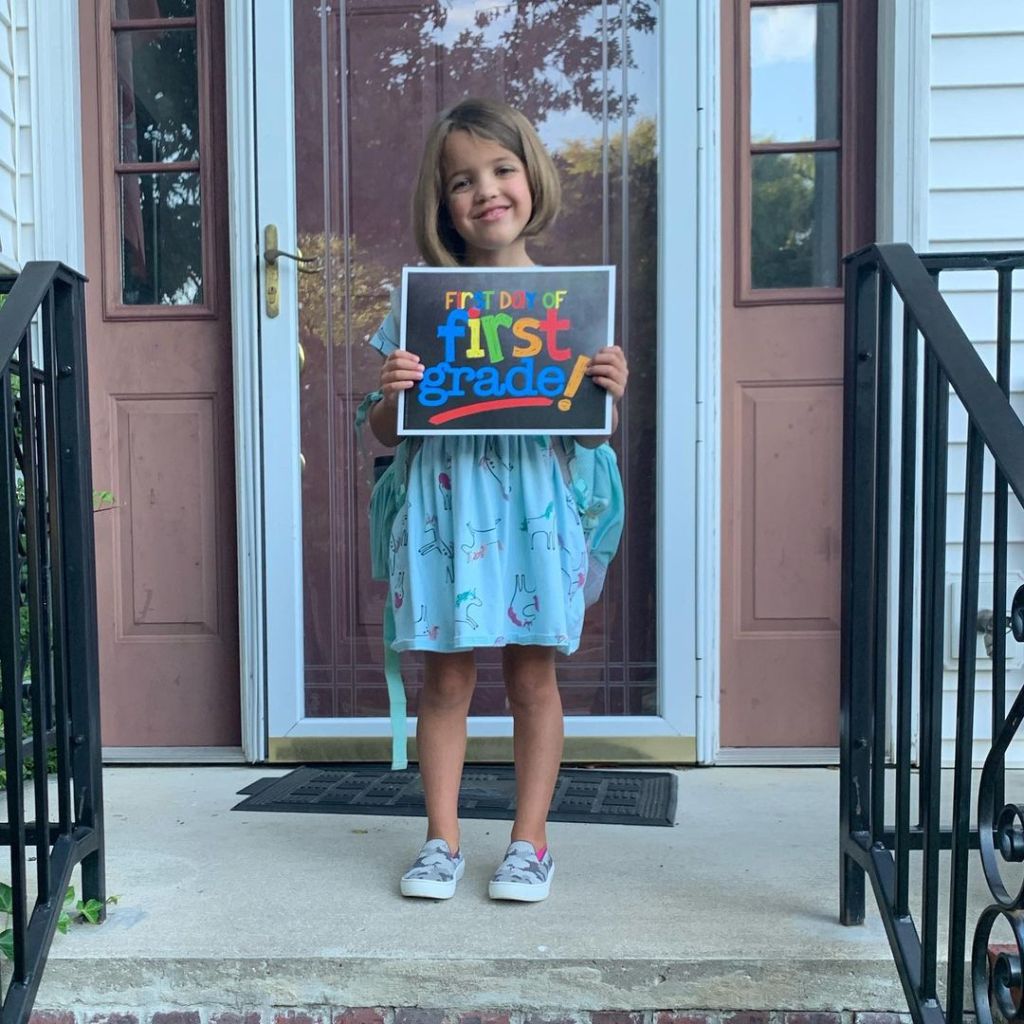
(976, 202)
(27, 184)
(9, 137)
(19, 199)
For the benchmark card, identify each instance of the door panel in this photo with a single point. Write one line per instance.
(798, 150)
(790, 546)
(160, 373)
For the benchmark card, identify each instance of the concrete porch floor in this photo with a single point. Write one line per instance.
(734, 908)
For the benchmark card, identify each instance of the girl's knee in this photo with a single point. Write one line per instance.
(449, 679)
(529, 675)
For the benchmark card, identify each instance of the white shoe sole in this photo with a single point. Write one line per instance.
(523, 892)
(430, 889)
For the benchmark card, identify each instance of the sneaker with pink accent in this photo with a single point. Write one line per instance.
(523, 875)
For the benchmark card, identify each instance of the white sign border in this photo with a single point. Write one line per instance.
(604, 431)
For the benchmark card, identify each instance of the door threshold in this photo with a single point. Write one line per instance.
(777, 757)
(173, 755)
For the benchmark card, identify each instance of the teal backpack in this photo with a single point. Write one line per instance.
(592, 475)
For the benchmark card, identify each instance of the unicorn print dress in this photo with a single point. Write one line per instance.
(488, 547)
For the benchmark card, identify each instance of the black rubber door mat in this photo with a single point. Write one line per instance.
(600, 796)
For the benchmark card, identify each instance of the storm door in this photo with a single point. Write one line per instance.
(368, 78)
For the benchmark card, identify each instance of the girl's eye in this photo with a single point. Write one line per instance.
(508, 169)
(459, 183)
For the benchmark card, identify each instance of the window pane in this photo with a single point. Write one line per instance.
(794, 73)
(157, 93)
(154, 9)
(161, 239)
(795, 220)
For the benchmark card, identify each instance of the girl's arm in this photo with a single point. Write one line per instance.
(608, 370)
(400, 371)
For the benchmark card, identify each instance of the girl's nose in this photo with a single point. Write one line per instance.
(487, 187)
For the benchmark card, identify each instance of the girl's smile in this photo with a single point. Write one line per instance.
(487, 191)
(493, 213)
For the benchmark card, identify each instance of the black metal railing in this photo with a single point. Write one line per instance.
(48, 654)
(900, 398)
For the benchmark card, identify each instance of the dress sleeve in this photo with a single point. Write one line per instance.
(385, 339)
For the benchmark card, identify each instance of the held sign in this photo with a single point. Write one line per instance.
(505, 350)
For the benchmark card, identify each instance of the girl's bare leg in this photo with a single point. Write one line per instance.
(537, 713)
(441, 738)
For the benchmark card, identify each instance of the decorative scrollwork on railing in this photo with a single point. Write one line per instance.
(1003, 987)
(1000, 838)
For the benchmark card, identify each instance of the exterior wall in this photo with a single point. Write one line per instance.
(17, 235)
(975, 201)
(38, 76)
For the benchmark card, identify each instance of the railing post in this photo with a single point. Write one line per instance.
(72, 407)
(935, 422)
(857, 661)
(10, 675)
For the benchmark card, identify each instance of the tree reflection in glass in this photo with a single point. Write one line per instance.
(158, 123)
(794, 220)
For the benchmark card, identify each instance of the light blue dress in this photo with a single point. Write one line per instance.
(488, 548)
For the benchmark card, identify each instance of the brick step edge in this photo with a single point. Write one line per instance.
(419, 1015)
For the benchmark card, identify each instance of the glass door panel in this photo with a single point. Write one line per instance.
(369, 79)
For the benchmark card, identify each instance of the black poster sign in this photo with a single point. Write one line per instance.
(506, 350)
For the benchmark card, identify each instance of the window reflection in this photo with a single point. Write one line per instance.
(162, 261)
(794, 138)
(154, 9)
(160, 216)
(158, 96)
(794, 229)
(794, 72)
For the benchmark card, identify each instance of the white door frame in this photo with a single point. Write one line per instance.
(904, 85)
(244, 246)
(267, 419)
(708, 332)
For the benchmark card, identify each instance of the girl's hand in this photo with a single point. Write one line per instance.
(400, 371)
(608, 370)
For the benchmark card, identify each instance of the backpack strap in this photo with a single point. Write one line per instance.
(396, 693)
(385, 503)
(391, 475)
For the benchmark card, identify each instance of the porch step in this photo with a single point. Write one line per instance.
(735, 908)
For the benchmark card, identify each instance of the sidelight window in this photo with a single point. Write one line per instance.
(158, 200)
(792, 124)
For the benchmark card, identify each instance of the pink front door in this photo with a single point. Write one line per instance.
(798, 131)
(157, 307)
(370, 78)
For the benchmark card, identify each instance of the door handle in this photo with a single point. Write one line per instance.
(273, 255)
(272, 274)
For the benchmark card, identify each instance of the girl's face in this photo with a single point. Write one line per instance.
(488, 195)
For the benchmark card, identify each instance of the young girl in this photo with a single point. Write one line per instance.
(486, 186)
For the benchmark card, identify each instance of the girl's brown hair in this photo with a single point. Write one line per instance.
(438, 241)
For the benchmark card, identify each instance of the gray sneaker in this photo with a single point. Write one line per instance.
(435, 873)
(521, 876)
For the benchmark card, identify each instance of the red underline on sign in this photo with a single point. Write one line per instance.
(498, 403)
